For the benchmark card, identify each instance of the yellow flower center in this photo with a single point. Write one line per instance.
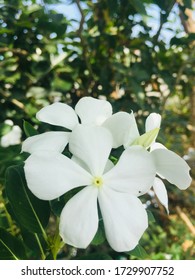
(97, 181)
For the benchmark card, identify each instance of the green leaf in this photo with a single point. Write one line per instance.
(99, 238)
(95, 256)
(31, 212)
(147, 138)
(138, 252)
(139, 7)
(150, 216)
(11, 248)
(188, 4)
(5, 128)
(29, 129)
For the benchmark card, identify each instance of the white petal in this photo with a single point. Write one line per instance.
(161, 192)
(79, 218)
(120, 125)
(157, 145)
(109, 166)
(124, 217)
(58, 114)
(132, 132)
(93, 111)
(48, 141)
(92, 145)
(153, 121)
(134, 172)
(49, 175)
(172, 167)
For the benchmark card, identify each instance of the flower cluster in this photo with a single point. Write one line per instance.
(94, 131)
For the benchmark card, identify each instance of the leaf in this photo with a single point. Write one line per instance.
(5, 128)
(99, 237)
(95, 256)
(11, 248)
(29, 129)
(188, 4)
(139, 7)
(31, 212)
(138, 252)
(150, 216)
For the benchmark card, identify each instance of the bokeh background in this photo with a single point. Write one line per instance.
(139, 55)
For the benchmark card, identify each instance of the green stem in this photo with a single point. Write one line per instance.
(57, 243)
(43, 257)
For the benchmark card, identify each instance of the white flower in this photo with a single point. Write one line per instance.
(169, 165)
(12, 138)
(50, 174)
(90, 111)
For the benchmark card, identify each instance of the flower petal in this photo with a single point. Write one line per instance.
(157, 145)
(124, 217)
(119, 125)
(49, 175)
(134, 172)
(48, 141)
(153, 121)
(132, 132)
(92, 145)
(93, 111)
(161, 192)
(58, 114)
(172, 167)
(79, 218)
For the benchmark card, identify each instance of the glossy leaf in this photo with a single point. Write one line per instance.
(29, 129)
(31, 212)
(11, 248)
(138, 252)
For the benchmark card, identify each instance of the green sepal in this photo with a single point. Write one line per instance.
(146, 139)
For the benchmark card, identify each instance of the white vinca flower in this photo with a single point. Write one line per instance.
(90, 111)
(168, 164)
(115, 189)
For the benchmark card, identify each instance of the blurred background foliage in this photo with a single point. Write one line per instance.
(140, 56)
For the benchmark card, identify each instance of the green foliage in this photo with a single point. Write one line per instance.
(11, 248)
(31, 212)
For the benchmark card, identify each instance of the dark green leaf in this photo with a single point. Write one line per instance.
(11, 248)
(139, 6)
(138, 252)
(95, 256)
(100, 237)
(29, 129)
(31, 212)
(188, 4)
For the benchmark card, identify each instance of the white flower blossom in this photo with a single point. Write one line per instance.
(168, 164)
(89, 111)
(115, 189)
(13, 137)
